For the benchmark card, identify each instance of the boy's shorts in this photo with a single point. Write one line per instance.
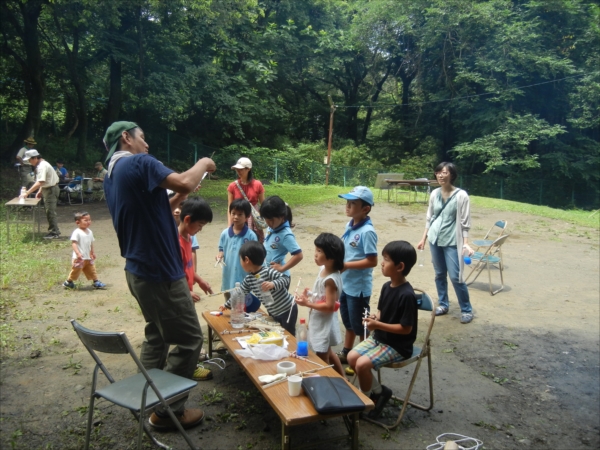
(379, 354)
(352, 310)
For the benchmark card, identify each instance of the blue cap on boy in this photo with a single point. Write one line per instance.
(359, 193)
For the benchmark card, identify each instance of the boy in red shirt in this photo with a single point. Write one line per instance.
(195, 214)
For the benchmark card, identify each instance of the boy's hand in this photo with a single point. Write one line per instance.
(205, 286)
(219, 256)
(195, 297)
(267, 285)
(276, 266)
(222, 308)
(371, 323)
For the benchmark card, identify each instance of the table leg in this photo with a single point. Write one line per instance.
(285, 437)
(355, 422)
(7, 225)
(210, 341)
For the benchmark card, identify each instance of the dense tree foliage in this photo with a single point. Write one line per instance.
(509, 88)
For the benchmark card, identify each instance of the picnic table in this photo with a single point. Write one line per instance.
(292, 411)
(15, 212)
(414, 184)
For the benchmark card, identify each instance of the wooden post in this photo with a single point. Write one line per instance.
(332, 111)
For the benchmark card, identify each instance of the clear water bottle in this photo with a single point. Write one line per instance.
(302, 339)
(265, 296)
(421, 258)
(238, 305)
(23, 195)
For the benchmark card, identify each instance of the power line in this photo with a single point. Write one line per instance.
(460, 98)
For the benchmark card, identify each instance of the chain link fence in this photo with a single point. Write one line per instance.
(180, 153)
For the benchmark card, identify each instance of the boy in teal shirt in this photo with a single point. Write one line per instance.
(360, 245)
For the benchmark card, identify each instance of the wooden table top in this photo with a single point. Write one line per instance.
(291, 410)
(28, 202)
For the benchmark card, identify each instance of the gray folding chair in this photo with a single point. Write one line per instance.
(491, 257)
(132, 392)
(424, 303)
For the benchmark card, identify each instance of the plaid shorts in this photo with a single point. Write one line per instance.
(379, 354)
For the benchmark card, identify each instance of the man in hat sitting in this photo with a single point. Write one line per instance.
(46, 185)
(97, 181)
(25, 169)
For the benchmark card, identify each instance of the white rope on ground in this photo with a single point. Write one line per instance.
(458, 438)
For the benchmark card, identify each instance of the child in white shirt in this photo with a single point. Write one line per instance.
(82, 241)
(323, 325)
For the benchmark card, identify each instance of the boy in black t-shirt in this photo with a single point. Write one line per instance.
(394, 325)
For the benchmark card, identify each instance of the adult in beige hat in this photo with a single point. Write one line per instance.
(46, 185)
(25, 169)
(253, 190)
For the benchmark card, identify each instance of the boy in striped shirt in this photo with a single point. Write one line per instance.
(261, 278)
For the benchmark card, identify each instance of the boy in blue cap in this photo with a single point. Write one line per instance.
(360, 245)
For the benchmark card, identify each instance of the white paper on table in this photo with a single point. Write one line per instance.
(242, 341)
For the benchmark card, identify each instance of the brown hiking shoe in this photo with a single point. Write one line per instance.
(190, 418)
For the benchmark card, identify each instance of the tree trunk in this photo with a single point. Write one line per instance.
(31, 66)
(115, 96)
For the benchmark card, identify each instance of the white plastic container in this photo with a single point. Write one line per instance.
(238, 306)
(23, 195)
(265, 296)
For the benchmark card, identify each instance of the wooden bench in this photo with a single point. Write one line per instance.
(292, 411)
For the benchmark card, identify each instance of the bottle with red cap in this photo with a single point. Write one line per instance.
(302, 339)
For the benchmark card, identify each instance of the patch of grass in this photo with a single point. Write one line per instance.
(574, 216)
(215, 191)
(73, 365)
(488, 426)
(212, 397)
(511, 345)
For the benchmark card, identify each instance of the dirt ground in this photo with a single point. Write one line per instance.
(523, 374)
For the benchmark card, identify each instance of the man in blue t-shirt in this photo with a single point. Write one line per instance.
(136, 194)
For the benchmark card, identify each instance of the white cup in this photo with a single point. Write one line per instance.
(287, 367)
(294, 385)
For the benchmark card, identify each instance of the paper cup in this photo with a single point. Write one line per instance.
(294, 385)
(287, 367)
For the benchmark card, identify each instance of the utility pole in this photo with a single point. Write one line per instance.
(332, 111)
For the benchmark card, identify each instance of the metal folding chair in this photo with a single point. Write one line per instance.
(491, 257)
(133, 392)
(486, 241)
(74, 195)
(425, 303)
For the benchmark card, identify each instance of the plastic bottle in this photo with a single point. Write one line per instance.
(238, 305)
(421, 258)
(466, 257)
(23, 195)
(302, 339)
(265, 296)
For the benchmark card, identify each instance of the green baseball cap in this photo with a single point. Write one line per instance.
(113, 134)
